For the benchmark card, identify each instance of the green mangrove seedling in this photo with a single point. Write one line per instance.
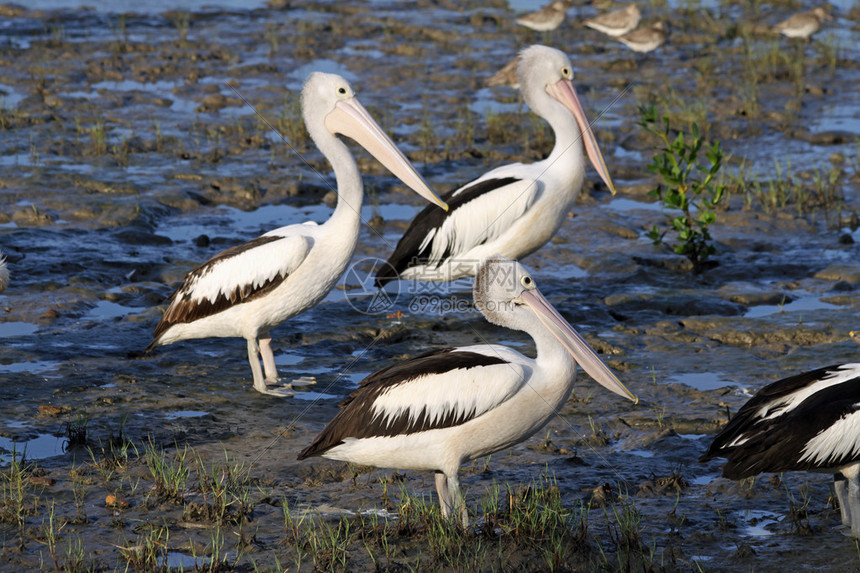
(687, 185)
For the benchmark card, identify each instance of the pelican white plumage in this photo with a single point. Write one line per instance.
(247, 290)
(443, 408)
(515, 209)
(807, 422)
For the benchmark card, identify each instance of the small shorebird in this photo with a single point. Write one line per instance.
(645, 39)
(4, 273)
(616, 23)
(802, 25)
(249, 289)
(547, 18)
(808, 422)
(440, 409)
(514, 209)
(507, 76)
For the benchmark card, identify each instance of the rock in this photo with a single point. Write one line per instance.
(48, 410)
(674, 304)
(840, 272)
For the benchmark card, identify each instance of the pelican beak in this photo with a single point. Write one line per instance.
(563, 91)
(349, 118)
(581, 351)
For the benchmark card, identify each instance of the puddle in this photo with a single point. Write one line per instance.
(621, 204)
(757, 521)
(640, 453)
(287, 358)
(700, 381)
(181, 561)
(160, 86)
(38, 448)
(837, 118)
(10, 97)
(703, 480)
(31, 367)
(331, 511)
(185, 414)
(804, 303)
(311, 396)
(10, 329)
(106, 310)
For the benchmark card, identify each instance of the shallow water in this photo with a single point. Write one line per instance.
(127, 162)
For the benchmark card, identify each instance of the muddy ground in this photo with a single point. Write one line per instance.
(128, 158)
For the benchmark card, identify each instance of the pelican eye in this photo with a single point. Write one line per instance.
(565, 72)
(341, 90)
(527, 282)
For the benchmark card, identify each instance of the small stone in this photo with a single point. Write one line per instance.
(113, 501)
(48, 410)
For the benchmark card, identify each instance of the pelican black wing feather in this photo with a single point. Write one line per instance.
(784, 447)
(184, 309)
(747, 420)
(409, 251)
(357, 418)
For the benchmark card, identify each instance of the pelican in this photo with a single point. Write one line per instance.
(249, 289)
(445, 407)
(514, 209)
(807, 422)
(616, 23)
(803, 24)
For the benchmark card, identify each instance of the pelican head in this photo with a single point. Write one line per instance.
(506, 294)
(331, 108)
(546, 77)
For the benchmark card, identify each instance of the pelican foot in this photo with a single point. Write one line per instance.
(282, 391)
(303, 381)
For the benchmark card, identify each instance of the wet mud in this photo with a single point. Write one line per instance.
(128, 155)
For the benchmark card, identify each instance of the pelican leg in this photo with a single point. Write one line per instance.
(444, 495)
(840, 485)
(854, 504)
(259, 381)
(256, 370)
(268, 358)
(459, 504)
